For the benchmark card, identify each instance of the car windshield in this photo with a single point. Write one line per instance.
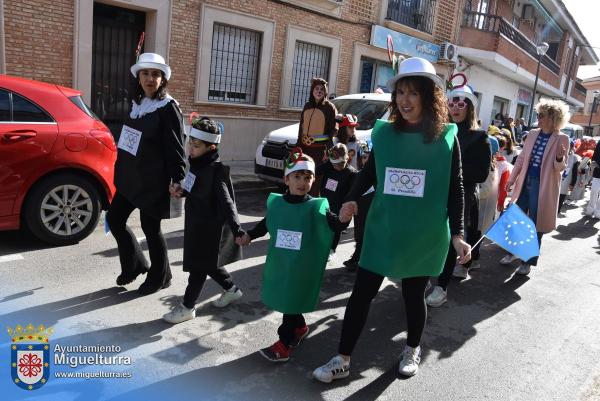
(367, 111)
(78, 101)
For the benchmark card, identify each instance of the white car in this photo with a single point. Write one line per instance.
(276, 146)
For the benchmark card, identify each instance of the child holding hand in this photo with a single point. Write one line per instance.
(301, 229)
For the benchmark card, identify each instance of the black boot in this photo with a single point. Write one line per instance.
(151, 286)
(127, 278)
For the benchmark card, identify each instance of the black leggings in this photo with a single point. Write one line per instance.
(287, 329)
(366, 287)
(130, 252)
(196, 282)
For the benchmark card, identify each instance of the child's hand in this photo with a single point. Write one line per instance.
(175, 188)
(243, 240)
(348, 209)
(463, 250)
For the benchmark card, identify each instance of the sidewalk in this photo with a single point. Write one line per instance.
(242, 175)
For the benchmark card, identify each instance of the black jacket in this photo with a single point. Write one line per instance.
(596, 158)
(211, 220)
(144, 178)
(342, 180)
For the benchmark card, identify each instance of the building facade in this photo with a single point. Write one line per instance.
(498, 53)
(589, 116)
(247, 63)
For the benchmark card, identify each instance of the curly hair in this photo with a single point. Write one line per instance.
(433, 102)
(556, 109)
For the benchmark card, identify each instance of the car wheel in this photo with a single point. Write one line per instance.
(62, 209)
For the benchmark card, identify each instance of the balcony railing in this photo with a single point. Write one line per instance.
(417, 14)
(495, 23)
(580, 88)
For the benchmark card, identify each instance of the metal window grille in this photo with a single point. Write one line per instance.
(416, 14)
(310, 61)
(234, 64)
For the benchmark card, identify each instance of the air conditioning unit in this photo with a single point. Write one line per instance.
(449, 52)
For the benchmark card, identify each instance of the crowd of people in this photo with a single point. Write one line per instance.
(331, 178)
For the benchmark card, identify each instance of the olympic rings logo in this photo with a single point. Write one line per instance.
(408, 182)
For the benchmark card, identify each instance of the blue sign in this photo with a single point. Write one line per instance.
(405, 44)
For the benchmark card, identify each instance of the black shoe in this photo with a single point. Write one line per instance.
(125, 278)
(148, 288)
(351, 264)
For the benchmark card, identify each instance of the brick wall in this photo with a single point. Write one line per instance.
(364, 10)
(446, 17)
(184, 48)
(39, 39)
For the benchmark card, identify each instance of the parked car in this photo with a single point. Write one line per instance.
(56, 161)
(573, 130)
(275, 147)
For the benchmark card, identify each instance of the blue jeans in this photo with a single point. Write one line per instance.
(528, 202)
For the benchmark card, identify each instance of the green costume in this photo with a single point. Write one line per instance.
(407, 232)
(297, 256)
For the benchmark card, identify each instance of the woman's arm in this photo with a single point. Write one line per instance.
(456, 194)
(560, 162)
(365, 178)
(172, 138)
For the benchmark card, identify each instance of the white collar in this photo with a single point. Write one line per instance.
(148, 106)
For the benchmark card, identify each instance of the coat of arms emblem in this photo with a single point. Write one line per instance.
(30, 356)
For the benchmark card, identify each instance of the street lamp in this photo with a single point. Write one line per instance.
(541, 49)
(592, 109)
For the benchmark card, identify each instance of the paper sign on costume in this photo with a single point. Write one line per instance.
(404, 182)
(188, 181)
(129, 140)
(331, 184)
(288, 240)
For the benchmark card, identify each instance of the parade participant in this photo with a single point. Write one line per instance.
(407, 232)
(504, 170)
(584, 175)
(150, 162)
(317, 125)
(476, 158)
(537, 173)
(363, 203)
(593, 207)
(347, 136)
(301, 229)
(211, 221)
(569, 176)
(338, 176)
(510, 152)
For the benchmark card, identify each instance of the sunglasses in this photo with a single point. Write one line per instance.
(542, 115)
(461, 104)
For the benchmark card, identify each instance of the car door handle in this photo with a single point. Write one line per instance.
(18, 135)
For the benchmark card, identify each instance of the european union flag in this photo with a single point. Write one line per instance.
(515, 232)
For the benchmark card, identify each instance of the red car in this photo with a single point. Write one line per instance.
(56, 161)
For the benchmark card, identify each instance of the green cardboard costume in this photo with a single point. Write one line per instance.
(407, 232)
(297, 256)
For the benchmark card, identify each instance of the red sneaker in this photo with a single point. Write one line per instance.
(277, 352)
(299, 334)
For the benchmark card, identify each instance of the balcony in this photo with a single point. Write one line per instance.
(416, 14)
(496, 24)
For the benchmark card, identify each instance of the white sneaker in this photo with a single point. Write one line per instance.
(523, 269)
(228, 297)
(437, 297)
(508, 259)
(331, 255)
(460, 271)
(475, 265)
(336, 368)
(409, 365)
(179, 314)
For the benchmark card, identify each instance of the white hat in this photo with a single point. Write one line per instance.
(308, 165)
(151, 60)
(415, 67)
(463, 91)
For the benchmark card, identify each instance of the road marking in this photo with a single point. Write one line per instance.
(11, 258)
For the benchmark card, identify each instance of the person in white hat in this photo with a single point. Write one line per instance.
(416, 211)
(150, 163)
(476, 159)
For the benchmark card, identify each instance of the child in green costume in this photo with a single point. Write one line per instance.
(301, 229)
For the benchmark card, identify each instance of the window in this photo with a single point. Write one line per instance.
(367, 111)
(25, 111)
(374, 75)
(234, 64)
(4, 106)
(417, 14)
(310, 61)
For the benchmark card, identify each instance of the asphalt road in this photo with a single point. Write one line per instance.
(500, 336)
